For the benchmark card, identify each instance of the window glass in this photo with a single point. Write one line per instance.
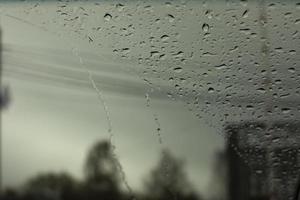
(170, 99)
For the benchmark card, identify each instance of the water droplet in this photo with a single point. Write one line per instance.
(208, 14)
(261, 90)
(154, 54)
(291, 69)
(245, 14)
(222, 66)
(120, 7)
(171, 18)
(124, 52)
(177, 69)
(178, 54)
(205, 27)
(211, 90)
(292, 52)
(285, 110)
(90, 39)
(107, 17)
(164, 38)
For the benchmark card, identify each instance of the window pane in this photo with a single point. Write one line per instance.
(170, 99)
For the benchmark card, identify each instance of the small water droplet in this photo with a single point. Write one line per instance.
(154, 54)
(285, 110)
(211, 90)
(177, 69)
(222, 66)
(171, 18)
(208, 14)
(164, 38)
(245, 14)
(205, 27)
(107, 17)
(291, 69)
(261, 90)
(90, 39)
(120, 7)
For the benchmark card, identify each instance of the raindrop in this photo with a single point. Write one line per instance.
(288, 14)
(292, 52)
(125, 50)
(162, 56)
(169, 95)
(107, 17)
(211, 90)
(177, 69)
(90, 39)
(147, 99)
(291, 69)
(208, 14)
(278, 81)
(222, 66)
(245, 14)
(164, 38)
(205, 27)
(179, 54)
(285, 110)
(261, 90)
(208, 54)
(171, 79)
(171, 18)
(154, 53)
(249, 107)
(120, 7)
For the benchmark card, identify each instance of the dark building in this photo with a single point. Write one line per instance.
(263, 160)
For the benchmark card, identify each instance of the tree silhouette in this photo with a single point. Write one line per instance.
(168, 180)
(50, 186)
(101, 173)
(102, 181)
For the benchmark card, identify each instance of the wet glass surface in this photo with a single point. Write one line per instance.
(150, 99)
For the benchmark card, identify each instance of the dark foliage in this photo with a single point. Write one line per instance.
(102, 181)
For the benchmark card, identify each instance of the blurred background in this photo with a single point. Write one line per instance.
(157, 100)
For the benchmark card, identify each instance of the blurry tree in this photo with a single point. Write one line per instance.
(10, 194)
(168, 180)
(102, 179)
(50, 186)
